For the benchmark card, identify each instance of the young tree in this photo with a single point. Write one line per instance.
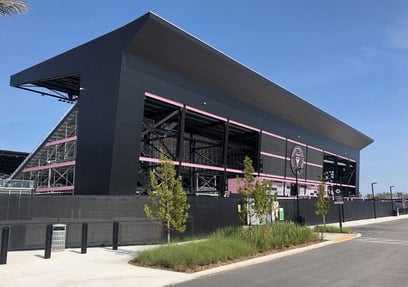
(263, 201)
(168, 201)
(323, 202)
(255, 199)
(8, 8)
(246, 189)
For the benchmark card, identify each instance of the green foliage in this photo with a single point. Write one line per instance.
(168, 201)
(246, 189)
(8, 8)
(323, 203)
(225, 245)
(263, 202)
(254, 195)
(332, 229)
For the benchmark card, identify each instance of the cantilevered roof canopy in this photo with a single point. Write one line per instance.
(171, 48)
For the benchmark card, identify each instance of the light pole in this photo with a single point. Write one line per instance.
(392, 201)
(297, 196)
(372, 190)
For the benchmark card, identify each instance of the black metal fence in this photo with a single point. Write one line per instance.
(28, 216)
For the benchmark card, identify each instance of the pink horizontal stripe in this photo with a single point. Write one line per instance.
(149, 159)
(206, 113)
(315, 148)
(274, 155)
(153, 96)
(244, 126)
(293, 178)
(70, 139)
(273, 135)
(48, 166)
(57, 188)
(295, 142)
(314, 164)
(314, 181)
(271, 175)
(349, 159)
(234, 170)
(187, 164)
(340, 185)
(330, 153)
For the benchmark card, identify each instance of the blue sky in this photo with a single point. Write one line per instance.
(348, 58)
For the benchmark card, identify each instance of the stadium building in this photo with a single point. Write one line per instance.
(149, 87)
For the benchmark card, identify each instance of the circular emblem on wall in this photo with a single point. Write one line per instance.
(297, 160)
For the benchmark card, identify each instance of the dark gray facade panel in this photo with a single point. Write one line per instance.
(274, 166)
(313, 172)
(126, 146)
(314, 156)
(273, 145)
(96, 129)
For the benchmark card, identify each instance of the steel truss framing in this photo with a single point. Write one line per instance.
(52, 165)
(340, 173)
(202, 147)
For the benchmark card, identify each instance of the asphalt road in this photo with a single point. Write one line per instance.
(377, 258)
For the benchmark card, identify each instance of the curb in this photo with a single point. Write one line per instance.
(258, 260)
(346, 237)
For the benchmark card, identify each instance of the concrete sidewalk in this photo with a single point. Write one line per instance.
(106, 267)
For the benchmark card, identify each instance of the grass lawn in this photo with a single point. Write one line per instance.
(332, 229)
(226, 245)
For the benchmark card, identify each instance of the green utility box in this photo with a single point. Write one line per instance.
(281, 214)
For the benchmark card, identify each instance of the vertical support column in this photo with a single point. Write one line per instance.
(192, 160)
(48, 242)
(340, 219)
(84, 239)
(115, 235)
(4, 245)
(224, 158)
(258, 153)
(180, 138)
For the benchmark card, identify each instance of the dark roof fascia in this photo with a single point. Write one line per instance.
(76, 59)
(162, 43)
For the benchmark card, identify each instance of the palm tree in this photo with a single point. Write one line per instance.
(8, 8)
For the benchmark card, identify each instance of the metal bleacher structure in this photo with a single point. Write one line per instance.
(51, 167)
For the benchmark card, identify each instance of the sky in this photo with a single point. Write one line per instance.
(348, 58)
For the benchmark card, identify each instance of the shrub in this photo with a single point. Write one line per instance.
(226, 244)
(331, 229)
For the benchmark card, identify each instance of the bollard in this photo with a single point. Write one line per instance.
(84, 241)
(4, 245)
(115, 236)
(48, 242)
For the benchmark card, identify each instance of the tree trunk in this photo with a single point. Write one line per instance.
(168, 233)
(168, 224)
(324, 220)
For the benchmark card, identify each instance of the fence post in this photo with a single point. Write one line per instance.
(4, 245)
(115, 236)
(84, 241)
(48, 242)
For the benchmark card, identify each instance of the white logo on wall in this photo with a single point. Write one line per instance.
(297, 160)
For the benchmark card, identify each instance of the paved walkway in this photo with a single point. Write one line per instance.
(106, 267)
